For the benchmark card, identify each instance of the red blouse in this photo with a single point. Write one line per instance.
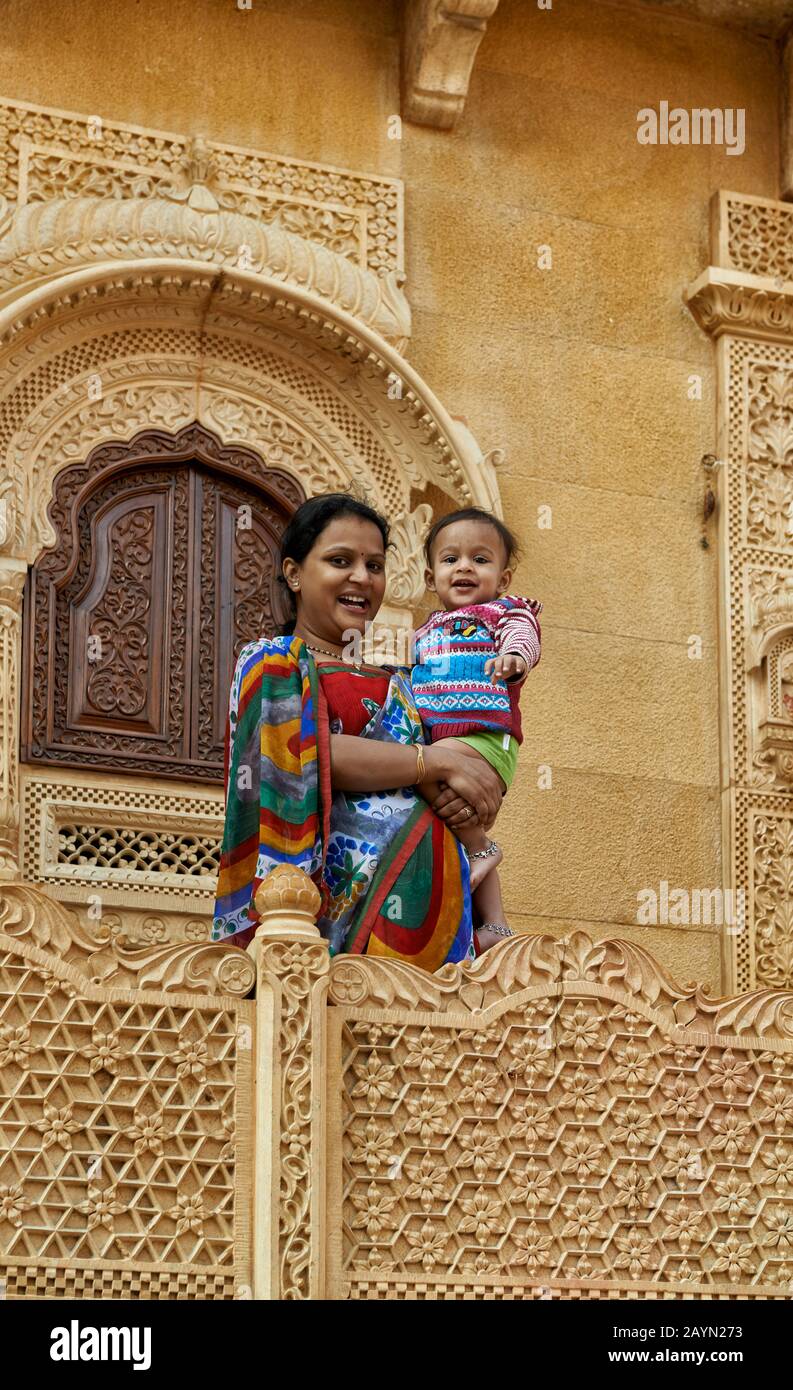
(353, 696)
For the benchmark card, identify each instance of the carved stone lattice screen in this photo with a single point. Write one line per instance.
(560, 1121)
(126, 1123)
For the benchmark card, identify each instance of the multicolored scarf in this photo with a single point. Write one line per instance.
(393, 878)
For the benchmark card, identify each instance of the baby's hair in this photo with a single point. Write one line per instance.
(506, 537)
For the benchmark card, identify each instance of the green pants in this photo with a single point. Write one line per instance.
(501, 751)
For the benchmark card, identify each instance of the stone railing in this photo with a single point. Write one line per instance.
(559, 1120)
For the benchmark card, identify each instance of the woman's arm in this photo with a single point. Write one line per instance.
(366, 765)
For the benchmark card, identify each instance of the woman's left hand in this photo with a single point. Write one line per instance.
(456, 812)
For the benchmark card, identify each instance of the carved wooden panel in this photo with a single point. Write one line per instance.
(164, 566)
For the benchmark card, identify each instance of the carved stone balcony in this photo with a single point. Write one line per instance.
(559, 1120)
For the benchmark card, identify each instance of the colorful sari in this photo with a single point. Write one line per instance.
(394, 880)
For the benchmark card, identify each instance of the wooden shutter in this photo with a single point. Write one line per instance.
(161, 572)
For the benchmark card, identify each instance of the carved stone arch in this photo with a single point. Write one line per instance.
(153, 322)
(99, 355)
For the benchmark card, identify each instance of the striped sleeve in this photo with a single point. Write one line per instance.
(518, 630)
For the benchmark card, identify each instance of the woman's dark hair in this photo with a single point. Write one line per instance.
(307, 525)
(506, 537)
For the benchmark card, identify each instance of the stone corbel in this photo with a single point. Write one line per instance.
(775, 747)
(723, 300)
(440, 43)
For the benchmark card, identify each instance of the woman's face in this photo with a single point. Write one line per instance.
(340, 585)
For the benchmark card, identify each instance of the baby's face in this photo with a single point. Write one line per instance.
(468, 565)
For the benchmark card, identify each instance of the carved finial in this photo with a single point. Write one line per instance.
(289, 890)
(195, 177)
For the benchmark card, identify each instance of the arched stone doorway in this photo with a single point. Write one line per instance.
(125, 315)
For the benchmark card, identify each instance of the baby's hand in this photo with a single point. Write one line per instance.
(505, 668)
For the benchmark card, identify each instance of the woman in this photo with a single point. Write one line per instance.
(316, 746)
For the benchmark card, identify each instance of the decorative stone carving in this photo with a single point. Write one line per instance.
(102, 955)
(530, 960)
(292, 975)
(131, 1108)
(79, 844)
(732, 305)
(406, 575)
(559, 1119)
(11, 581)
(287, 890)
(259, 360)
(53, 154)
(439, 45)
(747, 297)
(68, 233)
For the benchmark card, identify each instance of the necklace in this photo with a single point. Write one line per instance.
(336, 655)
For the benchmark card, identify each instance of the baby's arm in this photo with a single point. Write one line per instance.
(517, 639)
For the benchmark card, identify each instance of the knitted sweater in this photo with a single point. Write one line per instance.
(452, 692)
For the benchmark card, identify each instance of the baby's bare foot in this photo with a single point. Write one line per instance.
(480, 867)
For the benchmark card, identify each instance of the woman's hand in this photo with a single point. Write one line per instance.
(455, 811)
(470, 782)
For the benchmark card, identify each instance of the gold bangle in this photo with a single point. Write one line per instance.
(421, 770)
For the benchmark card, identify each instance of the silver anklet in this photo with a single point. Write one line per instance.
(484, 853)
(499, 931)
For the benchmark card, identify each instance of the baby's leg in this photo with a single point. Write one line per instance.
(473, 841)
(489, 906)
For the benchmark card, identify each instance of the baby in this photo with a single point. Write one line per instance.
(471, 660)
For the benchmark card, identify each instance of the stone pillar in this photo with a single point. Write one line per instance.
(744, 300)
(12, 578)
(292, 973)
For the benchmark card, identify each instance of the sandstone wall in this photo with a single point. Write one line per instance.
(580, 372)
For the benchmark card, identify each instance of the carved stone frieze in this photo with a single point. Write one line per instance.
(101, 954)
(552, 963)
(323, 404)
(53, 154)
(69, 233)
